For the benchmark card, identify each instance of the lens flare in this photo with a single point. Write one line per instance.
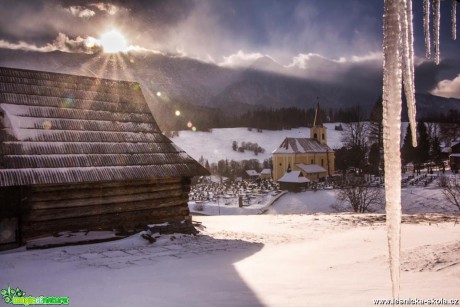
(113, 41)
(177, 113)
(47, 125)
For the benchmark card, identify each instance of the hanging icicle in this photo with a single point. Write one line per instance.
(391, 133)
(426, 27)
(408, 63)
(454, 19)
(436, 26)
(398, 68)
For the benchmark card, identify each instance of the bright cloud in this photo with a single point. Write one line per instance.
(79, 11)
(241, 59)
(62, 43)
(448, 88)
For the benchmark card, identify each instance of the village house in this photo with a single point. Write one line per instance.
(311, 156)
(84, 153)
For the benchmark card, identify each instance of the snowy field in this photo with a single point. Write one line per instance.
(269, 260)
(217, 145)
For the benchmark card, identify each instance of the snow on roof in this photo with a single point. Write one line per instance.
(252, 172)
(455, 155)
(266, 171)
(293, 177)
(301, 145)
(311, 168)
(58, 128)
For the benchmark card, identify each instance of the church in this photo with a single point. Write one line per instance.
(311, 156)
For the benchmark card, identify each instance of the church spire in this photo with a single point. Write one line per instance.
(318, 131)
(318, 122)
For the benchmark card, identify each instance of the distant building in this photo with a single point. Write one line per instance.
(311, 156)
(251, 174)
(266, 173)
(293, 181)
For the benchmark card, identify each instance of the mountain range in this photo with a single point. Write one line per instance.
(180, 81)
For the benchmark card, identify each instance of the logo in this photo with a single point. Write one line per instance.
(18, 297)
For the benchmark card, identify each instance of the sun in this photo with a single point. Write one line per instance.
(113, 41)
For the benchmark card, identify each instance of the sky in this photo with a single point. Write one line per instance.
(293, 33)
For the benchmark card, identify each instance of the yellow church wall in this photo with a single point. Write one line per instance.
(282, 161)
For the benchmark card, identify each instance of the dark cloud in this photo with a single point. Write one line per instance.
(428, 74)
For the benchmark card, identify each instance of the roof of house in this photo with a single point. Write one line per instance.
(252, 172)
(293, 177)
(58, 128)
(301, 145)
(311, 168)
(266, 171)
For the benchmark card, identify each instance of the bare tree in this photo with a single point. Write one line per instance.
(356, 129)
(355, 135)
(450, 190)
(361, 196)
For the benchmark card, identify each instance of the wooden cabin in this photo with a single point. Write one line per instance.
(84, 153)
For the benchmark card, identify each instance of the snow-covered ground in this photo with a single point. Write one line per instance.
(276, 259)
(415, 199)
(268, 260)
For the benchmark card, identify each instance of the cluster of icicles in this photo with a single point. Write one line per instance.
(398, 70)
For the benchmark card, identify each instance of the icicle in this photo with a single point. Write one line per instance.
(408, 63)
(454, 19)
(436, 25)
(426, 27)
(391, 134)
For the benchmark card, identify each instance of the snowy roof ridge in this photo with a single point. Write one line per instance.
(301, 145)
(58, 128)
(293, 177)
(311, 168)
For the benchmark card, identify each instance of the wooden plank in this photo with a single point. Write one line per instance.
(100, 192)
(63, 213)
(97, 201)
(128, 220)
(108, 184)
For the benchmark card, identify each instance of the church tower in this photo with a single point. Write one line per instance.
(318, 131)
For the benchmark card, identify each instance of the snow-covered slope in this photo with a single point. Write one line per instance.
(217, 145)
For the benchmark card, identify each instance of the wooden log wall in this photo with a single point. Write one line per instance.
(125, 205)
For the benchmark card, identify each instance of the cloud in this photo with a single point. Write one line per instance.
(79, 11)
(109, 8)
(241, 59)
(62, 43)
(448, 88)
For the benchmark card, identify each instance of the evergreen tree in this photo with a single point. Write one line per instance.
(407, 151)
(435, 151)
(376, 136)
(234, 145)
(423, 147)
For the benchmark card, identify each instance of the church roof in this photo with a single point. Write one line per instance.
(57, 128)
(311, 168)
(301, 145)
(293, 177)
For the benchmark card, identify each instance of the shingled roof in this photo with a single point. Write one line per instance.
(58, 128)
